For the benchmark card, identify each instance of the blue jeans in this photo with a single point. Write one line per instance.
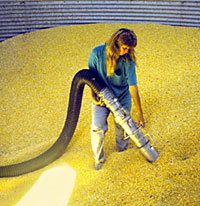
(99, 128)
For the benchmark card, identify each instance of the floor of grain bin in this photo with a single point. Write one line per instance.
(36, 72)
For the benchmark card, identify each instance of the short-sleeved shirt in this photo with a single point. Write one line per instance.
(123, 77)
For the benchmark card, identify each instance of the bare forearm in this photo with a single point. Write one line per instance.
(136, 98)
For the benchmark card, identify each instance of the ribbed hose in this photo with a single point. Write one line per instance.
(81, 78)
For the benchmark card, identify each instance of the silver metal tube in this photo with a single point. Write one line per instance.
(122, 117)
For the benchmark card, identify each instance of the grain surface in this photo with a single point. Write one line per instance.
(36, 70)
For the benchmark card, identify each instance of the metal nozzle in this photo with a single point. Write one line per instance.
(122, 117)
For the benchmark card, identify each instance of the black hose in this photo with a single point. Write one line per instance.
(81, 78)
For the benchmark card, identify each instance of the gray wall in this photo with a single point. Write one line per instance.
(17, 16)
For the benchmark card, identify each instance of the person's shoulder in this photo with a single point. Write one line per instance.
(99, 49)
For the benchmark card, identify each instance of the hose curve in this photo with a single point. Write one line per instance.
(81, 78)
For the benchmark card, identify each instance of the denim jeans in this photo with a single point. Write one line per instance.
(99, 128)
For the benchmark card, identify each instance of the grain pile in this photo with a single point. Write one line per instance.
(36, 70)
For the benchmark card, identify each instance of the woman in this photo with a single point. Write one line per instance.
(115, 64)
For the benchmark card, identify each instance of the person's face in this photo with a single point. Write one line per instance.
(123, 50)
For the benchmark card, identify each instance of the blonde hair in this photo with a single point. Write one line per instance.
(120, 37)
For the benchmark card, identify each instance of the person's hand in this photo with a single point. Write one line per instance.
(97, 100)
(140, 120)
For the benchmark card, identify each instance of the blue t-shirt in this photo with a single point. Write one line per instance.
(123, 77)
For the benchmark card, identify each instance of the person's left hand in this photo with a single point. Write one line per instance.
(140, 120)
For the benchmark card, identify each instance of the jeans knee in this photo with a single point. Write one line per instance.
(97, 132)
(95, 128)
